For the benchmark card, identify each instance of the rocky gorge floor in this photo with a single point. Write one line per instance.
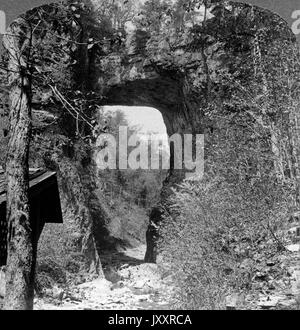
(274, 278)
(130, 284)
(277, 285)
(134, 286)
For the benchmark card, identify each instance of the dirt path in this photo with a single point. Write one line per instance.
(130, 285)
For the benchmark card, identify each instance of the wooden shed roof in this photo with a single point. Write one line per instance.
(41, 183)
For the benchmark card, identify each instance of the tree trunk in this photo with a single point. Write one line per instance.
(21, 259)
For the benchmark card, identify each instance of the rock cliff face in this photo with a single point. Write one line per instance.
(183, 70)
(178, 70)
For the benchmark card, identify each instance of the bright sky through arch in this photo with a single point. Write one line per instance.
(148, 119)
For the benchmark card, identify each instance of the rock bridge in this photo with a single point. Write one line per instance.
(179, 72)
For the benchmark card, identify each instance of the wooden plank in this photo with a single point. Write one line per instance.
(36, 177)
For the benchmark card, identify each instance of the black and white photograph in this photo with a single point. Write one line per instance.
(149, 157)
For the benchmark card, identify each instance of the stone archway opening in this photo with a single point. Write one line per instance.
(138, 185)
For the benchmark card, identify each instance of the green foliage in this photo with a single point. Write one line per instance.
(153, 13)
(118, 12)
(248, 88)
(63, 53)
(213, 226)
(59, 259)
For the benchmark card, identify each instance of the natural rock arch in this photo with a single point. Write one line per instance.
(143, 77)
(180, 81)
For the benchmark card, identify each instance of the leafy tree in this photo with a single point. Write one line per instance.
(118, 11)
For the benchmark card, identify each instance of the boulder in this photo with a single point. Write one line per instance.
(269, 302)
(57, 293)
